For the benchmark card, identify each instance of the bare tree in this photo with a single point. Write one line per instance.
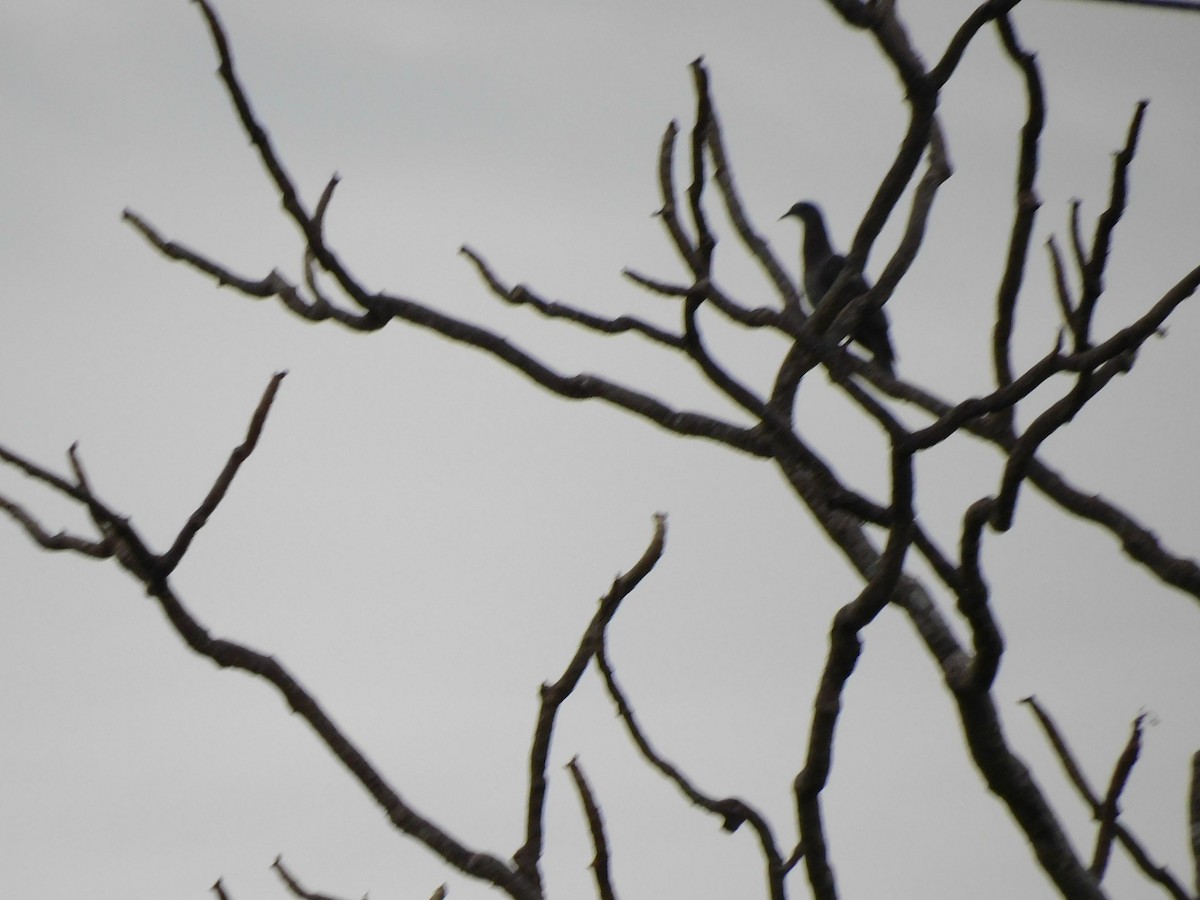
(882, 539)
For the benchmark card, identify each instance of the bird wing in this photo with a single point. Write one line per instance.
(820, 278)
(872, 330)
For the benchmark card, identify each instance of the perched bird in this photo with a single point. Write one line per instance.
(821, 269)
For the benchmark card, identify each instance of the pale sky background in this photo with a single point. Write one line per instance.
(422, 535)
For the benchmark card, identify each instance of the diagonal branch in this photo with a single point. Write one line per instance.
(123, 541)
(528, 856)
(595, 822)
(1159, 874)
(1110, 808)
(216, 494)
(732, 810)
(293, 885)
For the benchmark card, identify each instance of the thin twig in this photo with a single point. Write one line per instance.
(1093, 275)
(733, 811)
(1062, 289)
(216, 493)
(524, 296)
(1027, 205)
(293, 885)
(528, 856)
(101, 549)
(1110, 807)
(600, 862)
(1194, 818)
(1159, 874)
(669, 212)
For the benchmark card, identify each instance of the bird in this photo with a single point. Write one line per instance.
(822, 265)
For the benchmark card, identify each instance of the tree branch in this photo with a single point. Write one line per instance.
(528, 856)
(595, 822)
(732, 810)
(1110, 808)
(1159, 874)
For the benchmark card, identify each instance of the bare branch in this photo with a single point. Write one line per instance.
(1078, 251)
(1186, 5)
(151, 570)
(216, 494)
(45, 476)
(261, 141)
(669, 213)
(1093, 274)
(523, 296)
(973, 599)
(1110, 809)
(759, 317)
(404, 817)
(974, 408)
(845, 646)
(1027, 204)
(994, 10)
(293, 885)
(273, 285)
(1062, 290)
(693, 344)
(1194, 818)
(1159, 874)
(61, 541)
(528, 856)
(732, 810)
(1138, 541)
(1021, 455)
(840, 511)
(575, 387)
(759, 249)
(596, 827)
(705, 241)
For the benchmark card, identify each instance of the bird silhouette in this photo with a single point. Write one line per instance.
(821, 268)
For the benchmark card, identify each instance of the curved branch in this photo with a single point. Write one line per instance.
(528, 857)
(732, 810)
(1027, 203)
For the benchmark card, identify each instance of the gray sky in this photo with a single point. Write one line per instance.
(422, 535)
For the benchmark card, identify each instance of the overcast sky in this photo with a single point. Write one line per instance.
(422, 535)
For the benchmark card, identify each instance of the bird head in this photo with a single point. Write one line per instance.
(805, 211)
